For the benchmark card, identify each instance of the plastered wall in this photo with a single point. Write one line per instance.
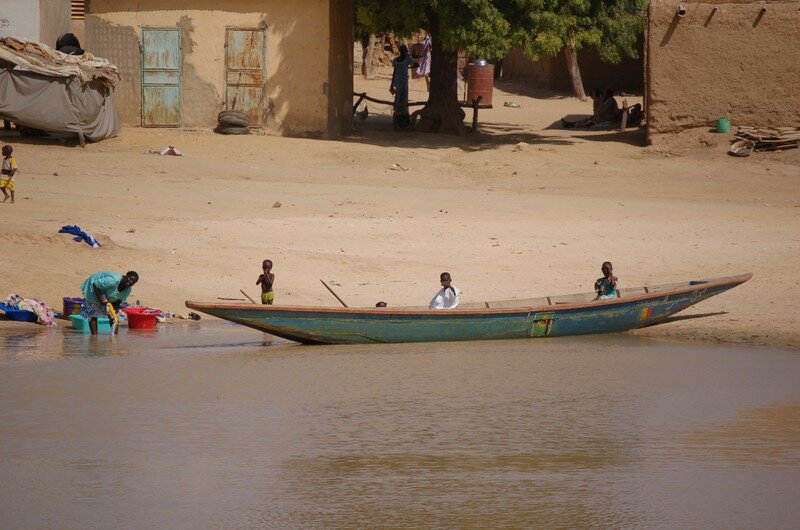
(39, 20)
(298, 38)
(19, 18)
(551, 72)
(54, 20)
(722, 59)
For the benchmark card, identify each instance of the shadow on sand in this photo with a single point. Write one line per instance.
(378, 131)
(688, 317)
(489, 136)
(13, 137)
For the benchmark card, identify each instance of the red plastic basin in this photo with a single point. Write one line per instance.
(141, 317)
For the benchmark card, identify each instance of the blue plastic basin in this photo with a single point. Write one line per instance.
(20, 315)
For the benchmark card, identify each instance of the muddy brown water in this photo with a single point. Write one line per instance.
(213, 425)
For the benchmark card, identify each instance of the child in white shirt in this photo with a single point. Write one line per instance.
(447, 297)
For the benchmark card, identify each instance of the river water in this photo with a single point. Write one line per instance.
(213, 425)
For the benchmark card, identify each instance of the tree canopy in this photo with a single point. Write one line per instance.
(611, 26)
(489, 28)
(475, 26)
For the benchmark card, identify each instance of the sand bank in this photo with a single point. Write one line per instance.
(519, 210)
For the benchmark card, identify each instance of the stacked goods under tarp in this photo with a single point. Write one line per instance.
(44, 89)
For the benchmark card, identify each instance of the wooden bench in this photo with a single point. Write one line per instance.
(475, 105)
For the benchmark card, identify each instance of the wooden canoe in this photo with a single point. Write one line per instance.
(554, 316)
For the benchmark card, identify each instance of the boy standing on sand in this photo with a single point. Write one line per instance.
(7, 173)
(266, 280)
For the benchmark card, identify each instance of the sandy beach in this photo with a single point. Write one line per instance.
(518, 210)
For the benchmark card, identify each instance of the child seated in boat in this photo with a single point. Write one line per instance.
(606, 287)
(266, 280)
(381, 304)
(447, 297)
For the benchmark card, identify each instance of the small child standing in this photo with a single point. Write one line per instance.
(7, 173)
(266, 281)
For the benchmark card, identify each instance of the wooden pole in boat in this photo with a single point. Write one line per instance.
(334, 294)
(247, 295)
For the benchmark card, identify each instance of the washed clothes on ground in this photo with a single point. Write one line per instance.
(80, 235)
(44, 313)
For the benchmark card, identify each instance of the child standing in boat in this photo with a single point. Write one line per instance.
(266, 280)
(606, 287)
(447, 297)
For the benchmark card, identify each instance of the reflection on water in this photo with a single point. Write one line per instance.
(208, 424)
(764, 436)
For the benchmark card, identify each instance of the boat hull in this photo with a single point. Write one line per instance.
(317, 325)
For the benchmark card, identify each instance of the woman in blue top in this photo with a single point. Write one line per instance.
(606, 287)
(399, 88)
(103, 289)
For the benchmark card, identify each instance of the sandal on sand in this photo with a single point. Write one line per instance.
(742, 148)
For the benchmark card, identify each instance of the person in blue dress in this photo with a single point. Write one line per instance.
(606, 287)
(401, 119)
(103, 293)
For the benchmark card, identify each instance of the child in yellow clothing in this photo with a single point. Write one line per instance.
(266, 281)
(7, 174)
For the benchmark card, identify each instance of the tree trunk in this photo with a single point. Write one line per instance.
(574, 72)
(442, 112)
(367, 58)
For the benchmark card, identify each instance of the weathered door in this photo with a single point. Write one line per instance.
(161, 77)
(245, 78)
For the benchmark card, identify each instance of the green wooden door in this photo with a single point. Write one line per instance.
(245, 72)
(161, 77)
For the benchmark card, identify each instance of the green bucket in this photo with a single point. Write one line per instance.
(723, 125)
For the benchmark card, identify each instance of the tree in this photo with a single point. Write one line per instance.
(475, 26)
(548, 27)
(367, 41)
(367, 55)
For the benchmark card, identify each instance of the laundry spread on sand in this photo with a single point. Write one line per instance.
(80, 235)
(44, 314)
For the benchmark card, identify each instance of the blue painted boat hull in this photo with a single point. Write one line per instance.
(321, 325)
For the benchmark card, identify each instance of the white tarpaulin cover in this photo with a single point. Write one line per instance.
(44, 89)
(42, 59)
(57, 104)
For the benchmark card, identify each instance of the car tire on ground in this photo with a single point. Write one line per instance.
(236, 113)
(233, 121)
(232, 130)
